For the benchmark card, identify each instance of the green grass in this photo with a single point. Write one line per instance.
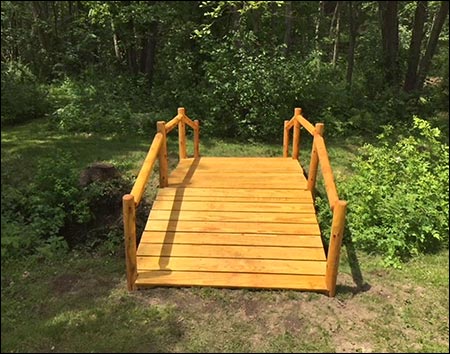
(77, 302)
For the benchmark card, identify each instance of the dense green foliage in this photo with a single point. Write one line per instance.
(23, 97)
(399, 194)
(240, 67)
(102, 105)
(54, 211)
(115, 68)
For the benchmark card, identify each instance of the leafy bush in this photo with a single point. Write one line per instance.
(398, 196)
(54, 212)
(23, 98)
(101, 104)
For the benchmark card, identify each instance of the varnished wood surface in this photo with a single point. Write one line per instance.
(233, 222)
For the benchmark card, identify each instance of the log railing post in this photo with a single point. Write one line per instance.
(182, 134)
(334, 248)
(162, 156)
(296, 135)
(285, 139)
(197, 139)
(129, 227)
(314, 163)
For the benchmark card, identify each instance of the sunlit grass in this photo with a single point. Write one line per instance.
(78, 302)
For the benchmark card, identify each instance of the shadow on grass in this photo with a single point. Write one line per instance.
(325, 219)
(361, 284)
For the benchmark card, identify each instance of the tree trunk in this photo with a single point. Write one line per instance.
(425, 63)
(337, 34)
(389, 32)
(288, 28)
(37, 17)
(353, 27)
(318, 24)
(148, 53)
(132, 55)
(333, 19)
(414, 47)
(115, 40)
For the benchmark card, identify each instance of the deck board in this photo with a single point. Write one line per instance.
(233, 222)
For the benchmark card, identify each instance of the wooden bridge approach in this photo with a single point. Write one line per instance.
(234, 221)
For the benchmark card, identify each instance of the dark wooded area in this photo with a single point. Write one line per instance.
(244, 65)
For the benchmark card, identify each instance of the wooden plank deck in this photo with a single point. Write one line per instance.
(233, 222)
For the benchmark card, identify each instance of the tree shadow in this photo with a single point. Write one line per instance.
(361, 284)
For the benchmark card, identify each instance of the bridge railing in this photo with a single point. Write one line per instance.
(319, 156)
(158, 150)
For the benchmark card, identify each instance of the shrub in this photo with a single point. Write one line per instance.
(398, 196)
(101, 104)
(54, 212)
(23, 98)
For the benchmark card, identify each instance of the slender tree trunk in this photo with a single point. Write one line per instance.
(353, 26)
(132, 55)
(389, 31)
(150, 57)
(425, 63)
(115, 40)
(55, 19)
(337, 34)
(288, 27)
(318, 24)
(414, 47)
(333, 19)
(148, 53)
(15, 48)
(37, 17)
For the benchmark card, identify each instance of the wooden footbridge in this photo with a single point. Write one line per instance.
(234, 221)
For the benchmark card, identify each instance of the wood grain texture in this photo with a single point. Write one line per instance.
(230, 251)
(227, 216)
(234, 265)
(225, 205)
(238, 239)
(235, 192)
(233, 226)
(232, 280)
(233, 222)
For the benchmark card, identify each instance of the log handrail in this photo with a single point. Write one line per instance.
(319, 156)
(306, 124)
(157, 150)
(146, 169)
(327, 172)
(171, 124)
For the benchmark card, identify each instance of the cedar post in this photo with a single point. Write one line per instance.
(182, 134)
(314, 163)
(285, 139)
(197, 139)
(296, 137)
(129, 227)
(162, 156)
(334, 249)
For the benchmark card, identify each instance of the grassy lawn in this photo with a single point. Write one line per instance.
(77, 302)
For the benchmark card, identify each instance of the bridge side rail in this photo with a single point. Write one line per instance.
(319, 156)
(157, 150)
